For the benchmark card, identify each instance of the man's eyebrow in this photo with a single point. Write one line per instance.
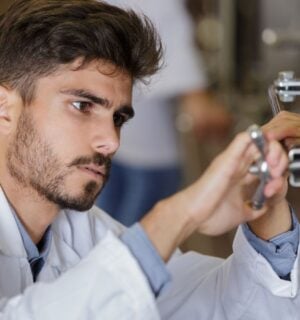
(87, 95)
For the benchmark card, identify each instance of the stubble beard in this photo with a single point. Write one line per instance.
(33, 164)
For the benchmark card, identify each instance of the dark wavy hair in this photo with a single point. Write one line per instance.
(37, 36)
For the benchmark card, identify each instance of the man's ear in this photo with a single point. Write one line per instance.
(6, 112)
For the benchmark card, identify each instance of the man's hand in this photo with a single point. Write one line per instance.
(217, 201)
(227, 187)
(284, 127)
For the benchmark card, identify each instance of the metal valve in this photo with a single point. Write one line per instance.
(260, 168)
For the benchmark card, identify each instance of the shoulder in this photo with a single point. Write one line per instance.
(103, 219)
(92, 224)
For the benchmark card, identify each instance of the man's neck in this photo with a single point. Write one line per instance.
(34, 211)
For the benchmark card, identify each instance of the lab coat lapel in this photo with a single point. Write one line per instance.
(11, 243)
(15, 276)
(13, 258)
(62, 255)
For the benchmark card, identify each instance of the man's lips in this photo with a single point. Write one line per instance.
(94, 170)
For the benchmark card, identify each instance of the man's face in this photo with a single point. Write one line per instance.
(65, 138)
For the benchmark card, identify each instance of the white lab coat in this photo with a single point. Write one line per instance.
(243, 287)
(108, 284)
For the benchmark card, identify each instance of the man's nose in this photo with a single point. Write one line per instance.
(106, 139)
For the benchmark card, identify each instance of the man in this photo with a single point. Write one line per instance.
(66, 74)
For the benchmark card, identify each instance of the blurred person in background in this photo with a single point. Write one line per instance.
(148, 165)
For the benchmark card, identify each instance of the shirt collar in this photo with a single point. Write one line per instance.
(33, 251)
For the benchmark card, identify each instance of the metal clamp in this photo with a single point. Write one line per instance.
(285, 89)
(286, 86)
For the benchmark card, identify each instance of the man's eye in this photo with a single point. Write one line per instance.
(82, 106)
(119, 119)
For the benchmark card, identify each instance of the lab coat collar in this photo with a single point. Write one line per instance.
(62, 255)
(11, 243)
(263, 272)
